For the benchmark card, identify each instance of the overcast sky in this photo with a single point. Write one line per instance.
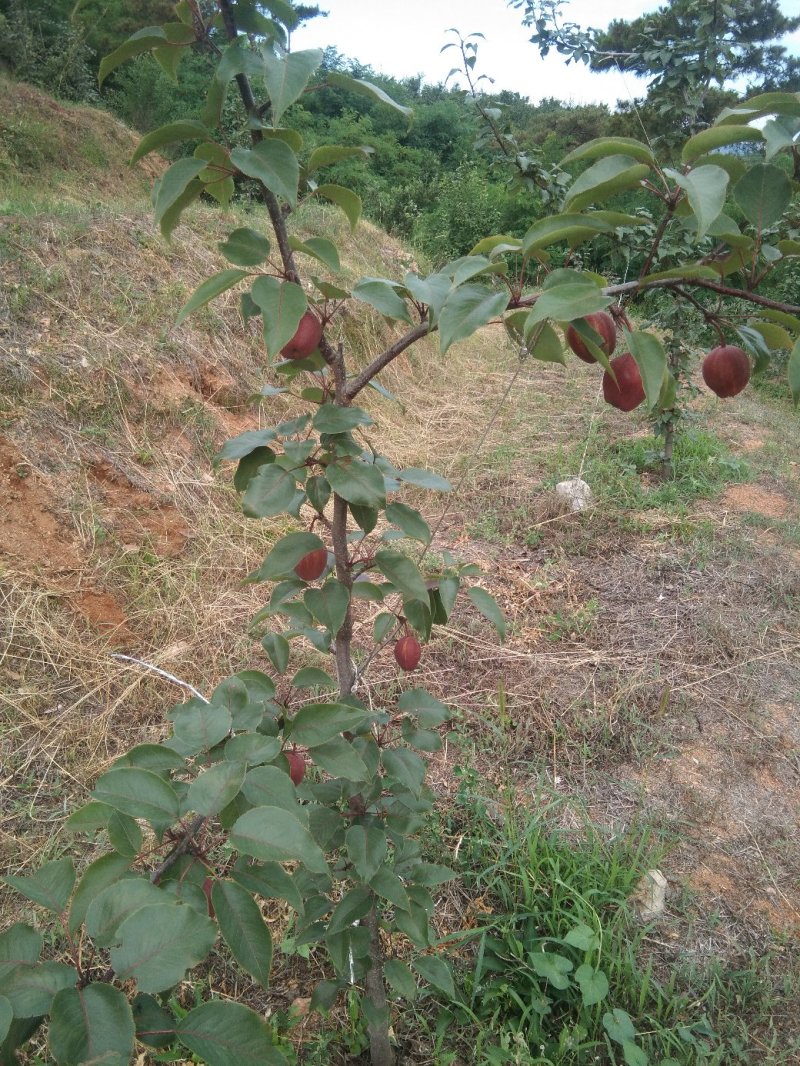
(404, 37)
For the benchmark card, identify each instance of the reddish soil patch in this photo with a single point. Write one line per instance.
(756, 500)
(135, 515)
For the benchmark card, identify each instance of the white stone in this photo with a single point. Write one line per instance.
(649, 898)
(577, 492)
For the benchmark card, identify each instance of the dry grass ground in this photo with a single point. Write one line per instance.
(652, 669)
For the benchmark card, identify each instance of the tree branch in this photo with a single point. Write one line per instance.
(270, 200)
(383, 360)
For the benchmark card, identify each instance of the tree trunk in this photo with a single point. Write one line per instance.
(380, 1050)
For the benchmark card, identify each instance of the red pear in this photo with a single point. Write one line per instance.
(407, 652)
(726, 370)
(306, 339)
(297, 766)
(601, 323)
(312, 565)
(627, 391)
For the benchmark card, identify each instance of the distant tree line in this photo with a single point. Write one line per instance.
(427, 182)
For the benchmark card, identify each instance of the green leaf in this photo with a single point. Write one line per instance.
(388, 886)
(366, 849)
(215, 286)
(274, 164)
(274, 833)
(553, 967)
(277, 648)
(19, 943)
(405, 766)
(544, 343)
(357, 482)
(243, 929)
(225, 1033)
(322, 249)
(215, 788)
(124, 834)
(400, 978)
(249, 466)
(174, 183)
(318, 491)
(364, 88)
(428, 710)
(30, 986)
(268, 880)
(252, 749)
(328, 154)
(50, 886)
(603, 179)
(487, 605)
(436, 972)
(465, 310)
(244, 444)
(410, 521)
(651, 359)
(317, 723)
(424, 479)
(383, 296)
(432, 875)
(245, 247)
(774, 103)
(159, 943)
(617, 1023)
(88, 1023)
(286, 76)
(6, 1018)
(154, 1025)
(184, 130)
(270, 786)
(282, 305)
(332, 419)
(717, 137)
(353, 906)
(311, 677)
(582, 937)
(593, 984)
(706, 188)
(565, 303)
(328, 604)
(106, 870)
(269, 493)
(287, 553)
(794, 373)
(142, 41)
(346, 199)
(109, 909)
(139, 793)
(89, 818)
(633, 1055)
(403, 573)
(338, 758)
(569, 228)
(601, 147)
(200, 726)
(763, 194)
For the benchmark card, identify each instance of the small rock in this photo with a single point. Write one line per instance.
(650, 895)
(576, 492)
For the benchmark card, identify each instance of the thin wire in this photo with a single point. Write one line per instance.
(161, 673)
